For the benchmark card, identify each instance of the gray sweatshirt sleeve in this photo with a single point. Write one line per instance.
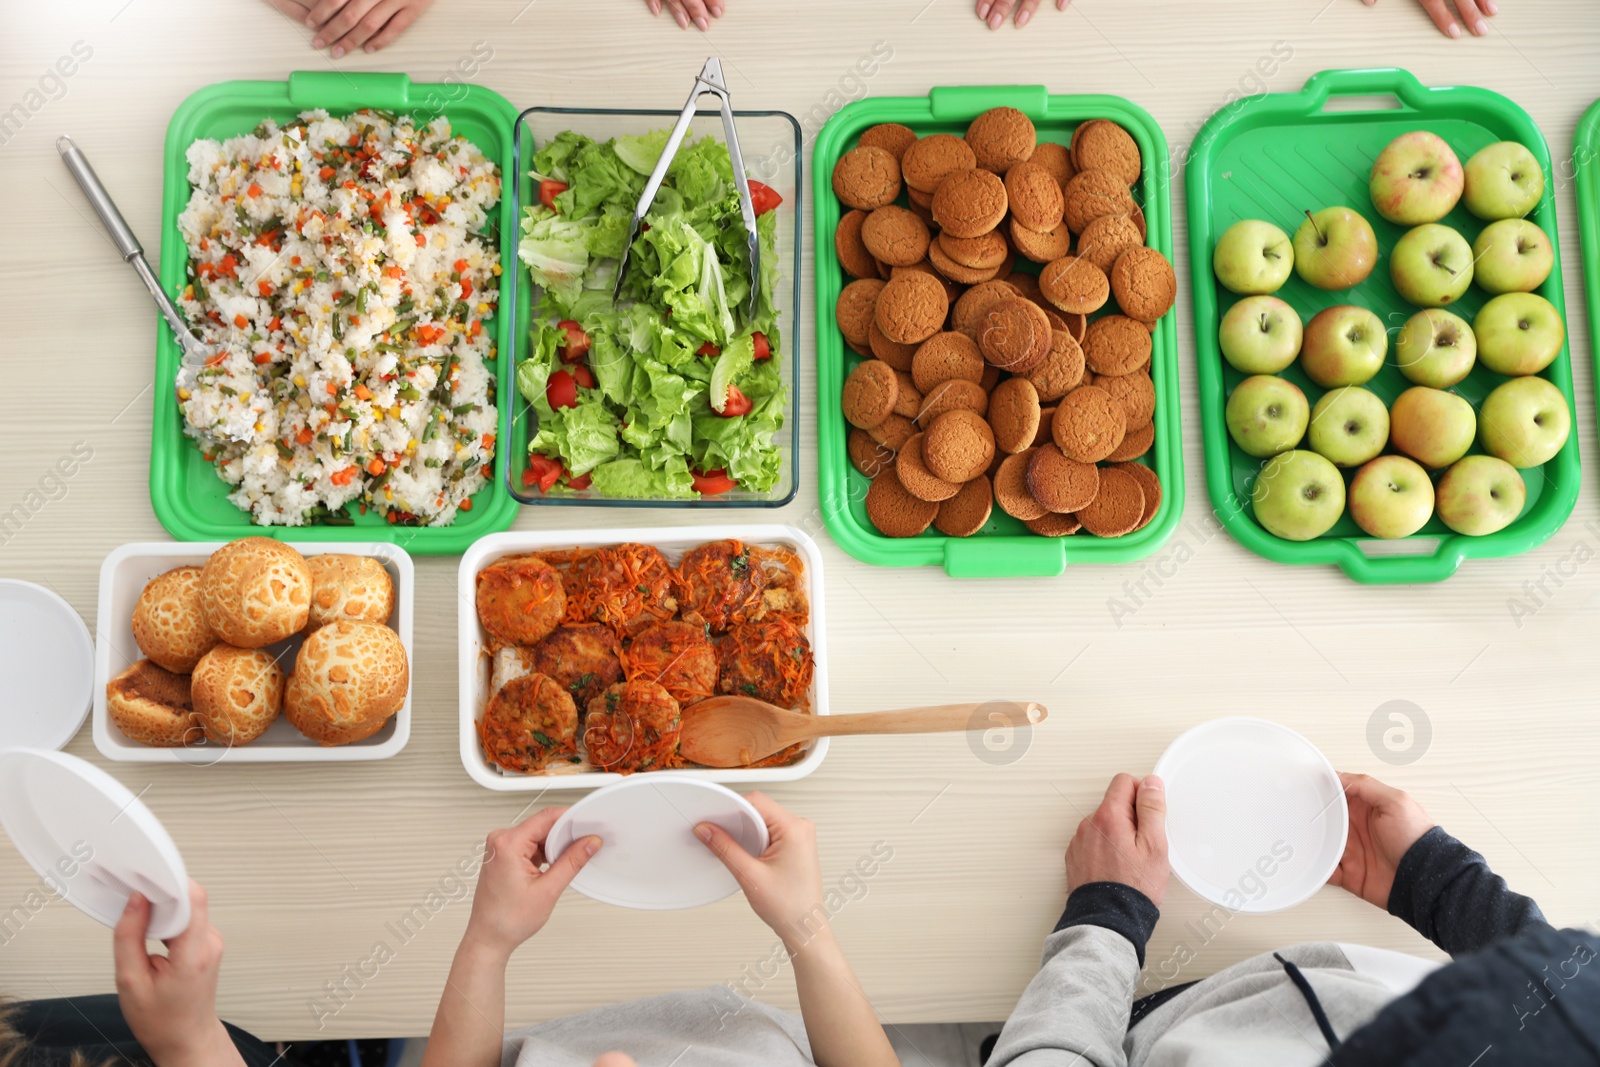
(1075, 1011)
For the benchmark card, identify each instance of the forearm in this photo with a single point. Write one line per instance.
(1448, 894)
(840, 1022)
(469, 1029)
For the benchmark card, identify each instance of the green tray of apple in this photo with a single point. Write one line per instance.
(1586, 176)
(1389, 390)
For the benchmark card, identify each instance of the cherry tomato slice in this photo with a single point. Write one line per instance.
(577, 343)
(582, 481)
(584, 376)
(737, 403)
(763, 198)
(561, 390)
(549, 189)
(542, 471)
(763, 346)
(708, 349)
(712, 483)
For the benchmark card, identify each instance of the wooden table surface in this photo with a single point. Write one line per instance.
(312, 867)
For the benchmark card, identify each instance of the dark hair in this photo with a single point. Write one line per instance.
(16, 1052)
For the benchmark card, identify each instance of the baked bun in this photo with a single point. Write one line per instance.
(350, 677)
(151, 705)
(169, 624)
(349, 587)
(256, 592)
(237, 694)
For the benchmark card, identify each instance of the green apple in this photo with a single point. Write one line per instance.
(1436, 348)
(1519, 333)
(1416, 179)
(1391, 497)
(1431, 266)
(1503, 181)
(1512, 256)
(1267, 415)
(1480, 495)
(1260, 335)
(1525, 421)
(1343, 345)
(1298, 495)
(1253, 257)
(1349, 425)
(1433, 427)
(1335, 248)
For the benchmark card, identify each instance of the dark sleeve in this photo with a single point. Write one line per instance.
(1448, 894)
(1119, 908)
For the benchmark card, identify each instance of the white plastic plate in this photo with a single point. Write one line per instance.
(123, 577)
(46, 667)
(91, 840)
(650, 857)
(673, 542)
(1256, 817)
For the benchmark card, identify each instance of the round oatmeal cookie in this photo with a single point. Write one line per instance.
(1041, 247)
(1035, 196)
(893, 432)
(952, 271)
(1136, 393)
(1061, 370)
(1116, 344)
(912, 308)
(968, 511)
(1001, 138)
(1074, 285)
(946, 357)
(1135, 444)
(929, 160)
(1026, 285)
(1116, 508)
(866, 178)
(853, 255)
(985, 252)
(1061, 484)
(1055, 158)
(969, 203)
(958, 446)
(1051, 524)
(914, 474)
(1014, 414)
(869, 393)
(908, 401)
(893, 353)
(1093, 193)
(1011, 488)
(1046, 417)
(971, 305)
(895, 235)
(1014, 335)
(1088, 424)
(855, 308)
(920, 199)
(1103, 145)
(1106, 238)
(892, 137)
(895, 512)
(1144, 283)
(867, 455)
(1149, 485)
(954, 395)
(951, 289)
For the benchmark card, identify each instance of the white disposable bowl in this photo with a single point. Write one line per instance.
(673, 542)
(123, 577)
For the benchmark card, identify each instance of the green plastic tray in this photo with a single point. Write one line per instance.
(189, 498)
(1003, 548)
(1585, 173)
(1276, 155)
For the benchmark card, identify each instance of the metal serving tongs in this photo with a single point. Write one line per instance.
(195, 351)
(710, 80)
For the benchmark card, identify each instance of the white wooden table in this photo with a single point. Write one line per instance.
(312, 868)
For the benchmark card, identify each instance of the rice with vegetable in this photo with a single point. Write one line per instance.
(337, 266)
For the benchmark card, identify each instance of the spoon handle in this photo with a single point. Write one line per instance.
(942, 718)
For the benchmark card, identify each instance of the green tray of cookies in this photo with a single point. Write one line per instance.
(988, 541)
(1274, 158)
(1586, 175)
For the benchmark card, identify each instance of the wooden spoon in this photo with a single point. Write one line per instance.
(736, 731)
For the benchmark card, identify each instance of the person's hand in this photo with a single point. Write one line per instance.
(699, 12)
(1125, 840)
(1384, 823)
(784, 883)
(170, 1002)
(1472, 13)
(516, 893)
(994, 12)
(615, 1059)
(343, 26)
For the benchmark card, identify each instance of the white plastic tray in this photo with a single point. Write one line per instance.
(673, 541)
(123, 577)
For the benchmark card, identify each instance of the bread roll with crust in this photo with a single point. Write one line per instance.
(152, 705)
(238, 693)
(169, 623)
(349, 587)
(350, 677)
(256, 592)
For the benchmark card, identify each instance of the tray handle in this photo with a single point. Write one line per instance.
(1404, 567)
(962, 102)
(1030, 557)
(341, 91)
(1368, 81)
